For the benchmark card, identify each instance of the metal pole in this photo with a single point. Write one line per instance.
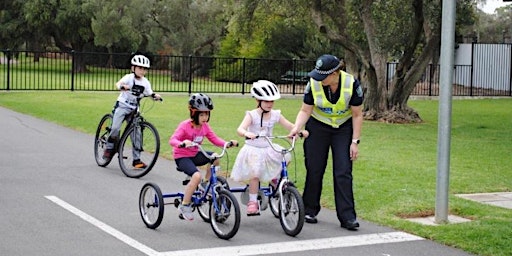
(445, 109)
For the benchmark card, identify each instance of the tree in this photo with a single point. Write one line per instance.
(65, 21)
(178, 27)
(409, 31)
(379, 21)
(12, 25)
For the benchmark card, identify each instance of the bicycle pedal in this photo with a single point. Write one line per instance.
(181, 216)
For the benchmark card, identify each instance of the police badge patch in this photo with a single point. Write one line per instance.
(359, 91)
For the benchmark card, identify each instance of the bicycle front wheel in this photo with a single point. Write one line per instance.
(100, 140)
(204, 208)
(141, 143)
(291, 211)
(225, 214)
(151, 205)
(273, 201)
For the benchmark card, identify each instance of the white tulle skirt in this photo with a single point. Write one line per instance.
(264, 163)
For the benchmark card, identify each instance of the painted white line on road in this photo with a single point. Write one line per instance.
(110, 230)
(303, 245)
(255, 249)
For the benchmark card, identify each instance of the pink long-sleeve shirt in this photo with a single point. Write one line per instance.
(186, 131)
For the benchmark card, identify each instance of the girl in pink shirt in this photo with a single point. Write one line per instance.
(188, 158)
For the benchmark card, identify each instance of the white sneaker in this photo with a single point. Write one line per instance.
(186, 212)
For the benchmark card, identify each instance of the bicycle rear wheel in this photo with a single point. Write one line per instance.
(291, 211)
(100, 140)
(148, 144)
(225, 214)
(151, 205)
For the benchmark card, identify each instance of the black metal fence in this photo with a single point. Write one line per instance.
(86, 71)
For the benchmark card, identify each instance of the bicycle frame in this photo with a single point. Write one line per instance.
(223, 209)
(143, 132)
(283, 180)
(200, 197)
(285, 201)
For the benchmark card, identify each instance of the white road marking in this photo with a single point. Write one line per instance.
(304, 245)
(255, 249)
(108, 229)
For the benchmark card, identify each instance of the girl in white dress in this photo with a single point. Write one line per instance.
(257, 161)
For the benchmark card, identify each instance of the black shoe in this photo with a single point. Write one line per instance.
(310, 219)
(350, 225)
(137, 164)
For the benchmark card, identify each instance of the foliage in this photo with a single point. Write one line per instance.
(273, 29)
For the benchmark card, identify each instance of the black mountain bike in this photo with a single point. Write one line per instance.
(137, 134)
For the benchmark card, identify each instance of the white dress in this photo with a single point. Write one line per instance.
(256, 158)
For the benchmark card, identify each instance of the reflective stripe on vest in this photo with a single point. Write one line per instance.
(328, 113)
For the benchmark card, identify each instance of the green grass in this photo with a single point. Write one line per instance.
(395, 175)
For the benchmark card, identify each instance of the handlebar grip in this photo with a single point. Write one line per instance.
(301, 134)
(181, 145)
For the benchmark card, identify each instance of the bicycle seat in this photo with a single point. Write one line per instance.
(187, 178)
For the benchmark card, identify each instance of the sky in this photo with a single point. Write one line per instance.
(493, 4)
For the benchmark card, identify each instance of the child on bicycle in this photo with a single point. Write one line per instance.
(194, 130)
(134, 85)
(257, 161)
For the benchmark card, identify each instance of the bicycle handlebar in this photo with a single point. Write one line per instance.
(212, 156)
(284, 150)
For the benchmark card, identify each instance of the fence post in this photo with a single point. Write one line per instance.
(294, 70)
(387, 75)
(243, 76)
(510, 74)
(8, 54)
(189, 74)
(430, 77)
(72, 70)
(472, 73)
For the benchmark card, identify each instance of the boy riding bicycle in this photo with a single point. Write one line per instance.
(133, 86)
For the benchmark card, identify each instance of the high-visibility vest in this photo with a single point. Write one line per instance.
(328, 113)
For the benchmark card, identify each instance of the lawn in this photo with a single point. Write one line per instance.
(395, 176)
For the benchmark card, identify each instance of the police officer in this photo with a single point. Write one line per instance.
(332, 113)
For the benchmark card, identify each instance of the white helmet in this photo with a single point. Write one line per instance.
(265, 90)
(141, 61)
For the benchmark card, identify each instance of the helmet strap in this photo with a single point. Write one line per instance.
(133, 71)
(262, 113)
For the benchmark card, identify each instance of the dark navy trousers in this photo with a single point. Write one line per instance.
(321, 139)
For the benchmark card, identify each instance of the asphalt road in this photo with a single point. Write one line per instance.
(55, 200)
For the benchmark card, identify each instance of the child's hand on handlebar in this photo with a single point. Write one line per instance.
(185, 143)
(157, 96)
(233, 143)
(250, 136)
(304, 134)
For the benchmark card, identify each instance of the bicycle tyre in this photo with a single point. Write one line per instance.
(100, 140)
(291, 211)
(225, 214)
(150, 148)
(273, 202)
(151, 205)
(204, 208)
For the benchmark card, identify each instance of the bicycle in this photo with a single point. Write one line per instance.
(143, 136)
(215, 204)
(284, 199)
